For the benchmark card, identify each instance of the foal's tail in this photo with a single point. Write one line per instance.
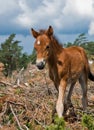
(91, 76)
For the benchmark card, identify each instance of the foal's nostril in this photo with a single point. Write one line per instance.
(40, 65)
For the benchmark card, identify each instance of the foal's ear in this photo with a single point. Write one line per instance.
(50, 31)
(34, 33)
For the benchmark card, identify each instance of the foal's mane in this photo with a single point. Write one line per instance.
(56, 45)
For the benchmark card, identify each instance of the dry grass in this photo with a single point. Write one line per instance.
(29, 105)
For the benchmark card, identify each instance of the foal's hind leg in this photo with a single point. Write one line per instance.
(83, 82)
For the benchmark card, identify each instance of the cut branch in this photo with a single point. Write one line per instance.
(5, 83)
(11, 102)
(15, 117)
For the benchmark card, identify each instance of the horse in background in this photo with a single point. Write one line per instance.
(66, 66)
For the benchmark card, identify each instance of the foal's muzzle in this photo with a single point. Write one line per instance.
(40, 65)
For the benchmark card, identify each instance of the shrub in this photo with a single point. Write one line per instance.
(59, 124)
(88, 121)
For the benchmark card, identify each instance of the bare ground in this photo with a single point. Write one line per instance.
(28, 104)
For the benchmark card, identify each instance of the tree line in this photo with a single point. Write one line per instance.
(82, 41)
(11, 55)
(13, 58)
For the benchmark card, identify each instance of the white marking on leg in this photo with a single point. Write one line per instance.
(60, 105)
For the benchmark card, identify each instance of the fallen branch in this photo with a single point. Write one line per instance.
(39, 123)
(5, 83)
(85, 112)
(18, 80)
(15, 117)
(26, 127)
(11, 102)
(90, 101)
(5, 109)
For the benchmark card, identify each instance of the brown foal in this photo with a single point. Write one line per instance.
(66, 66)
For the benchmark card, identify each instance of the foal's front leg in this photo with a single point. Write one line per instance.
(60, 101)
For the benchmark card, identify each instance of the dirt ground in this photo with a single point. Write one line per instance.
(28, 99)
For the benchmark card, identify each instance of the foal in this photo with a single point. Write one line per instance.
(66, 66)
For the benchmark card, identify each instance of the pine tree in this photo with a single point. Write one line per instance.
(33, 56)
(10, 54)
(82, 41)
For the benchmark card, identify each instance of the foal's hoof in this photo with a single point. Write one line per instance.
(70, 115)
(67, 106)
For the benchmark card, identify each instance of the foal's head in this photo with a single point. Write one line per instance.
(42, 45)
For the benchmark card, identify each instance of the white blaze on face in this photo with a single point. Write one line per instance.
(38, 42)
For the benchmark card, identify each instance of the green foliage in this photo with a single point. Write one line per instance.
(59, 124)
(24, 60)
(18, 91)
(11, 55)
(88, 121)
(29, 125)
(89, 47)
(11, 118)
(82, 41)
(68, 44)
(33, 57)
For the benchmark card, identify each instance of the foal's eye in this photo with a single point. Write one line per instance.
(47, 47)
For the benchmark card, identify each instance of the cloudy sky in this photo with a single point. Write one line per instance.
(69, 18)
